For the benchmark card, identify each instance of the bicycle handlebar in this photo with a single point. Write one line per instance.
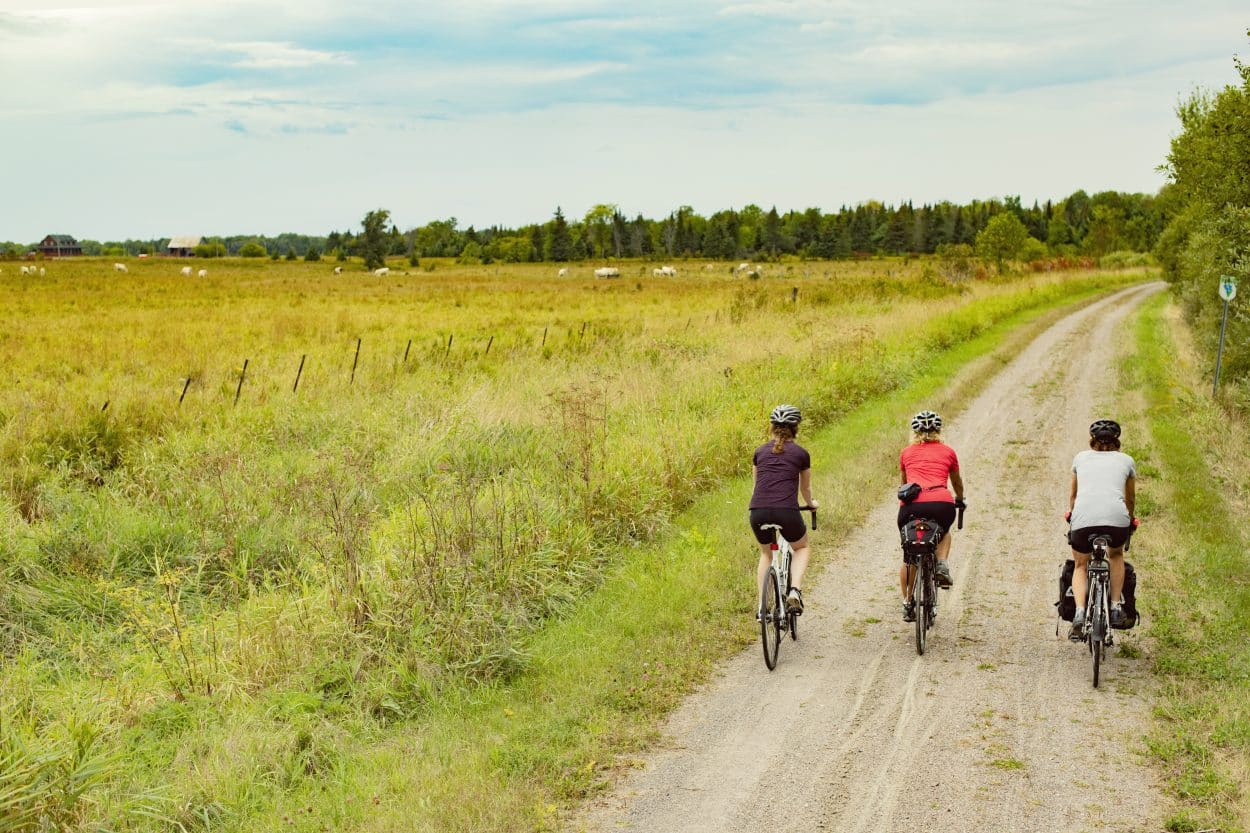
(811, 509)
(961, 506)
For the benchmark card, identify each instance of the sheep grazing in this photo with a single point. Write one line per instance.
(203, 273)
(743, 267)
(608, 272)
(186, 271)
(665, 272)
(25, 270)
(382, 270)
(562, 273)
(42, 272)
(120, 267)
(338, 270)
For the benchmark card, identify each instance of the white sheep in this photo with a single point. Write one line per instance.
(382, 270)
(338, 270)
(42, 272)
(25, 270)
(120, 267)
(186, 271)
(562, 273)
(203, 273)
(665, 272)
(608, 272)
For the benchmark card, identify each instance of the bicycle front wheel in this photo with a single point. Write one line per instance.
(771, 618)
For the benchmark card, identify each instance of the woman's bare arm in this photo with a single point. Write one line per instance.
(1072, 497)
(1130, 495)
(958, 482)
(805, 487)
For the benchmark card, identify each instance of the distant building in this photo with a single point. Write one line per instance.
(183, 246)
(59, 245)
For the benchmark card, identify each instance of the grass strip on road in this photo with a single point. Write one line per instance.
(1196, 585)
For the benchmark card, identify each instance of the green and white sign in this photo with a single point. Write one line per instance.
(1228, 287)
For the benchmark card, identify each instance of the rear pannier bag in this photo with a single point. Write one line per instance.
(1131, 616)
(1067, 603)
(919, 535)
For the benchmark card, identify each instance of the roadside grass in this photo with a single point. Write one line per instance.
(1196, 580)
(260, 609)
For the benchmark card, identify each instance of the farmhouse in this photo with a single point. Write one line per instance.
(183, 245)
(59, 245)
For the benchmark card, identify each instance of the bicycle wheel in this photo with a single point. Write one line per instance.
(771, 619)
(1097, 630)
(919, 596)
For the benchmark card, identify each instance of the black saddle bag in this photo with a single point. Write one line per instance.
(919, 535)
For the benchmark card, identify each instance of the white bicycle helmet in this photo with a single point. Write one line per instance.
(926, 421)
(785, 415)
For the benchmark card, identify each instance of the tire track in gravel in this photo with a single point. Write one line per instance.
(997, 727)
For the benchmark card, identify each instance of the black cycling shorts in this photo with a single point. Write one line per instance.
(938, 511)
(1079, 538)
(790, 520)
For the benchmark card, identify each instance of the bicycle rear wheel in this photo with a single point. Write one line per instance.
(1097, 631)
(919, 596)
(771, 618)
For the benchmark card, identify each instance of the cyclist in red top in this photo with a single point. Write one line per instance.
(929, 463)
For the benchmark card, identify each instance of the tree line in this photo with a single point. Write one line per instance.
(1208, 233)
(1079, 224)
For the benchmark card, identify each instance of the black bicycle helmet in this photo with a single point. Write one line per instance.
(785, 415)
(1105, 429)
(926, 421)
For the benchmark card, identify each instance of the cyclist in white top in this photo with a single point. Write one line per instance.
(1102, 500)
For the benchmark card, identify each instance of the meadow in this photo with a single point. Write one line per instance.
(214, 613)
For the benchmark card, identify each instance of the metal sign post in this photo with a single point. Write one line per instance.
(1228, 291)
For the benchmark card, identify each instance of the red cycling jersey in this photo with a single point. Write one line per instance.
(930, 465)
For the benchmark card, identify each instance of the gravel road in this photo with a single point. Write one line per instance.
(996, 727)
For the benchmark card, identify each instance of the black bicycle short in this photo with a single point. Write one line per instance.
(938, 511)
(790, 521)
(1078, 539)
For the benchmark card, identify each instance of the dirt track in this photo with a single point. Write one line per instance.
(997, 727)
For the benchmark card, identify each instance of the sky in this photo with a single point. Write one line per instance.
(136, 119)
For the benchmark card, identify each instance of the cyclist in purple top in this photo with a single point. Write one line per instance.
(782, 469)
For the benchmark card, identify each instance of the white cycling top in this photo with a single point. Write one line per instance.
(1100, 480)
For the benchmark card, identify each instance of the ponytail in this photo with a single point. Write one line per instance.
(781, 433)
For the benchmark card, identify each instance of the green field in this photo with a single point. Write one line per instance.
(220, 616)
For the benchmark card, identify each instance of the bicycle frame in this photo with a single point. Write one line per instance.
(778, 580)
(1098, 603)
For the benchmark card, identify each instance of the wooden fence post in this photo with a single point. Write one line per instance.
(242, 376)
(355, 361)
(184, 391)
(298, 373)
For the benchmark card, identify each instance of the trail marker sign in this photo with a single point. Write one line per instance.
(1228, 291)
(1228, 287)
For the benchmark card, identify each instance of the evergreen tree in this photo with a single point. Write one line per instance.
(559, 243)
